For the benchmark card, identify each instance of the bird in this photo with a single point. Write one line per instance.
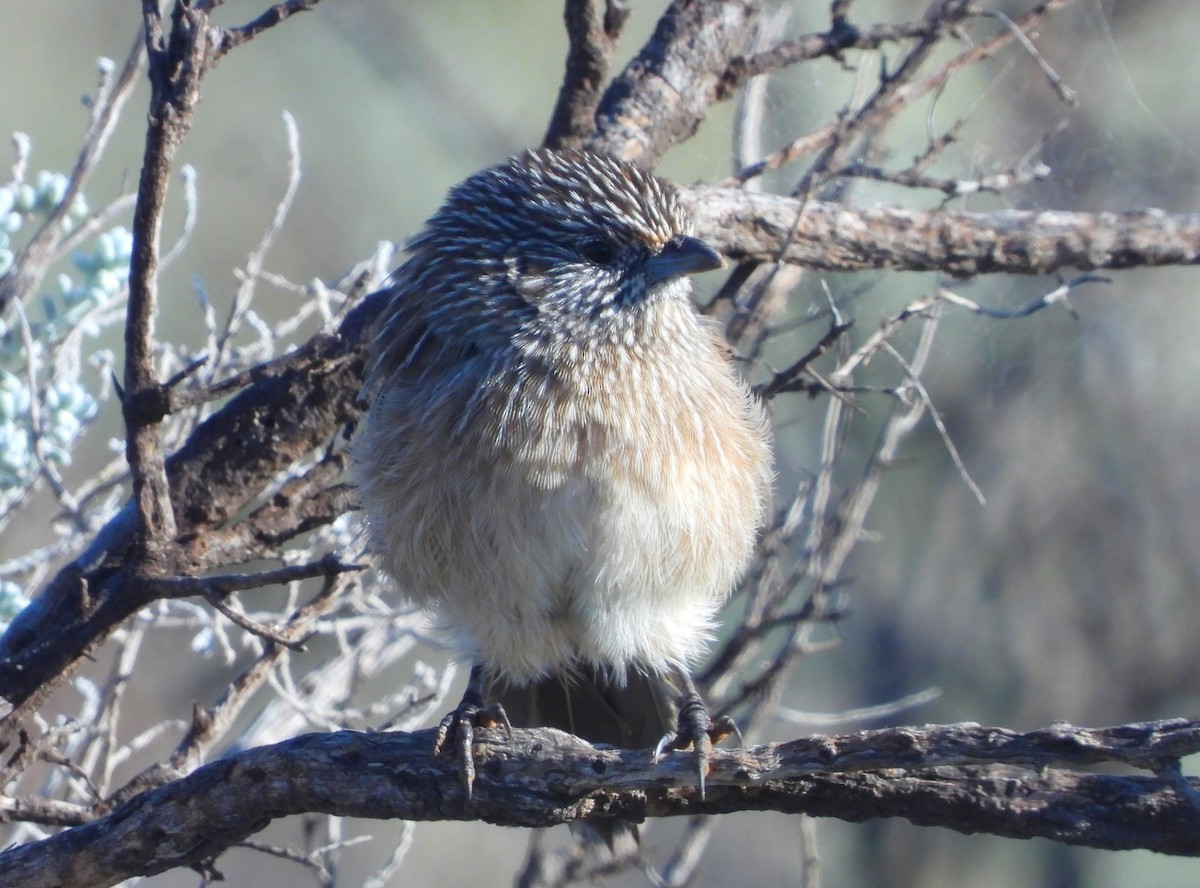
(558, 457)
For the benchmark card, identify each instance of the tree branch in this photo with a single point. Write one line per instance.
(292, 409)
(231, 38)
(840, 37)
(177, 64)
(962, 777)
(592, 29)
(664, 94)
(832, 237)
(300, 505)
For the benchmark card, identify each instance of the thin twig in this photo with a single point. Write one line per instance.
(834, 42)
(936, 416)
(254, 262)
(951, 187)
(784, 379)
(231, 38)
(1057, 296)
(34, 258)
(225, 584)
(861, 714)
(1019, 32)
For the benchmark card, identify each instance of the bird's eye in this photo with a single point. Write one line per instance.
(598, 251)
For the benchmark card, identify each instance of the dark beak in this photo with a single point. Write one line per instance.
(682, 255)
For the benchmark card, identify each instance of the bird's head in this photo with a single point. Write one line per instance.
(558, 246)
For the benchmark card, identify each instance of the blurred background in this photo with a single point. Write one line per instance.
(1071, 595)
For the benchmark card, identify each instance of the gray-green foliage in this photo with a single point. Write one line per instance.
(46, 401)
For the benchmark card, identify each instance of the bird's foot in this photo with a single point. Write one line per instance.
(695, 728)
(456, 732)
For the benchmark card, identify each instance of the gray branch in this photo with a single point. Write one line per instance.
(665, 92)
(963, 777)
(834, 237)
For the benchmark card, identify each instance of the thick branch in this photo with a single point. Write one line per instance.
(177, 66)
(593, 27)
(833, 237)
(963, 777)
(293, 408)
(664, 94)
(300, 505)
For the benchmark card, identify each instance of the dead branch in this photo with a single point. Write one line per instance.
(664, 94)
(840, 37)
(231, 38)
(592, 29)
(963, 777)
(832, 237)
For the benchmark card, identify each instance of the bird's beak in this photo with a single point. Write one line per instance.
(682, 255)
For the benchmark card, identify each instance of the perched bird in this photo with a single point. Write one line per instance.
(559, 459)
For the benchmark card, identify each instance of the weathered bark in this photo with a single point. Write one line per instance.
(963, 777)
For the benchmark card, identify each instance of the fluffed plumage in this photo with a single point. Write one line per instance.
(559, 459)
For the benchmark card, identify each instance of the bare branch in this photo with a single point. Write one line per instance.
(218, 587)
(962, 777)
(1020, 33)
(1057, 296)
(939, 424)
(301, 505)
(177, 65)
(833, 237)
(593, 27)
(951, 187)
(896, 94)
(663, 95)
(785, 380)
(230, 38)
(839, 38)
(47, 812)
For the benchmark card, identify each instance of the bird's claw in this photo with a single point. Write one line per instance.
(696, 729)
(457, 729)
